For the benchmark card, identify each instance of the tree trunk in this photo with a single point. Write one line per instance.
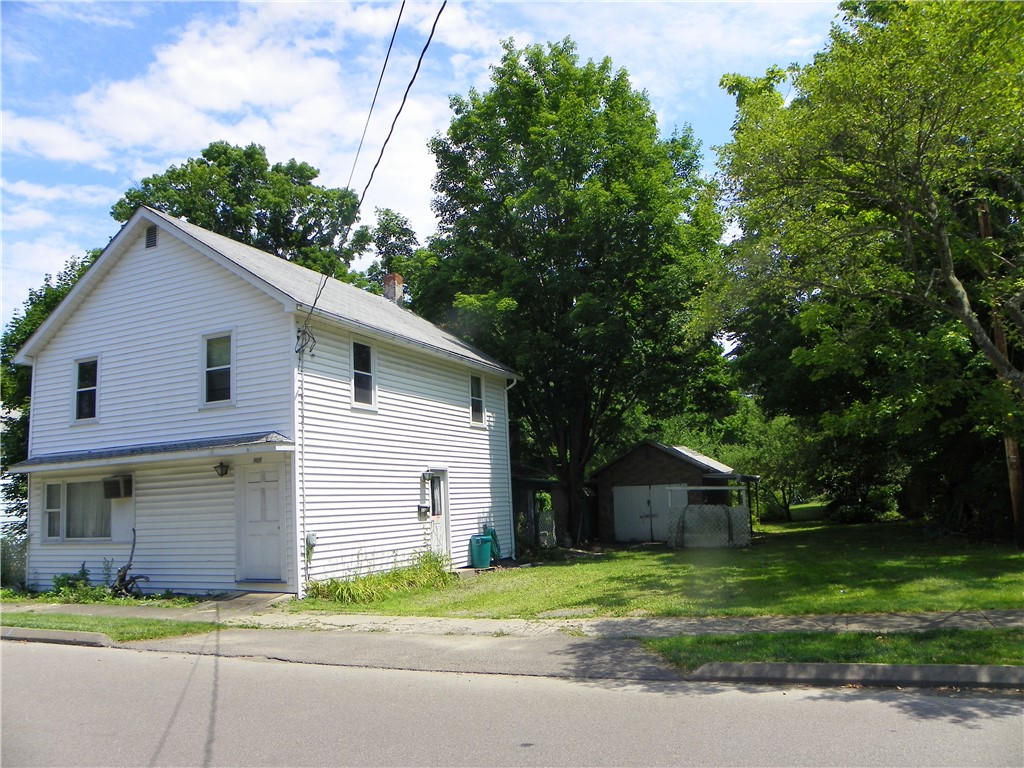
(1010, 442)
(1013, 469)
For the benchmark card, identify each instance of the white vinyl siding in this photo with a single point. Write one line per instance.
(363, 469)
(144, 322)
(185, 521)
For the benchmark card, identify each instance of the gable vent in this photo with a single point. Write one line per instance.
(151, 231)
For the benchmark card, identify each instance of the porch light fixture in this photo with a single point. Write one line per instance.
(221, 469)
(427, 476)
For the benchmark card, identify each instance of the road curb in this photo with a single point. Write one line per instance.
(888, 675)
(59, 636)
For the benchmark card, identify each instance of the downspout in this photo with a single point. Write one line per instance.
(298, 466)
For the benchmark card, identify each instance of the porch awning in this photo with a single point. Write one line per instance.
(253, 442)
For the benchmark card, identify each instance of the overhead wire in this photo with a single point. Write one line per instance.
(405, 96)
(373, 103)
(306, 340)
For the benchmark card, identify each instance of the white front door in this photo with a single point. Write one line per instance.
(260, 519)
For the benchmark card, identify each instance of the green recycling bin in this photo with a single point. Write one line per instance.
(480, 551)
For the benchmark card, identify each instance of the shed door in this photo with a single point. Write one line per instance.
(261, 524)
(641, 512)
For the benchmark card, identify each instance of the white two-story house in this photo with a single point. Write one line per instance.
(251, 423)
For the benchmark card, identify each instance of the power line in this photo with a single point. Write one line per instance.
(376, 93)
(408, 88)
(306, 341)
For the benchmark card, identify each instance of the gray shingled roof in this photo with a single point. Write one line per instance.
(180, 446)
(340, 301)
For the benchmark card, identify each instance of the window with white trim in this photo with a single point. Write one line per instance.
(53, 503)
(217, 378)
(476, 399)
(86, 388)
(363, 389)
(76, 510)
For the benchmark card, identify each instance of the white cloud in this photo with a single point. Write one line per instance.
(25, 262)
(83, 194)
(93, 14)
(51, 140)
(298, 77)
(20, 217)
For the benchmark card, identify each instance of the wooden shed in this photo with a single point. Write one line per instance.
(644, 494)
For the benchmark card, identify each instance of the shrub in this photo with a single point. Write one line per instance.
(12, 561)
(63, 581)
(79, 593)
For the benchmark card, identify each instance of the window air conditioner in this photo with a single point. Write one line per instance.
(117, 487)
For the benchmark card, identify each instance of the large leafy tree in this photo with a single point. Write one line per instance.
(397, 249)
(571, 236)
(16, 383)
(883, 199)
(236, 192)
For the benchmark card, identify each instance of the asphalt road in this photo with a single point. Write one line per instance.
(68, 705)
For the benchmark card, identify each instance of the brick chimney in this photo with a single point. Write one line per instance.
(394, 288)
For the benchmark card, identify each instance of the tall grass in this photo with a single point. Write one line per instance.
(429, 571)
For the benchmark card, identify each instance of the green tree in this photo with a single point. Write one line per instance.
(571, 238)
(236, 192)
(16, 384)
(397, 249)
(890, 185)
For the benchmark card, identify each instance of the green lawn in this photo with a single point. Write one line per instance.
(792, 569)
(118, 628)
(942, 646)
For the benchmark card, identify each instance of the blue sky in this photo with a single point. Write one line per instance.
(97, 96)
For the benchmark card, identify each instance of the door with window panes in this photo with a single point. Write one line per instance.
(440, 535)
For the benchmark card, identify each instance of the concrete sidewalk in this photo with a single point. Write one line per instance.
(568, 647)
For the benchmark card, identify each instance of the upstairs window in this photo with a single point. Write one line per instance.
(362, 374)
(86, 378)
(217, 384)
(476, 399)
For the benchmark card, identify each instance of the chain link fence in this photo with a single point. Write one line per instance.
(709, 525)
